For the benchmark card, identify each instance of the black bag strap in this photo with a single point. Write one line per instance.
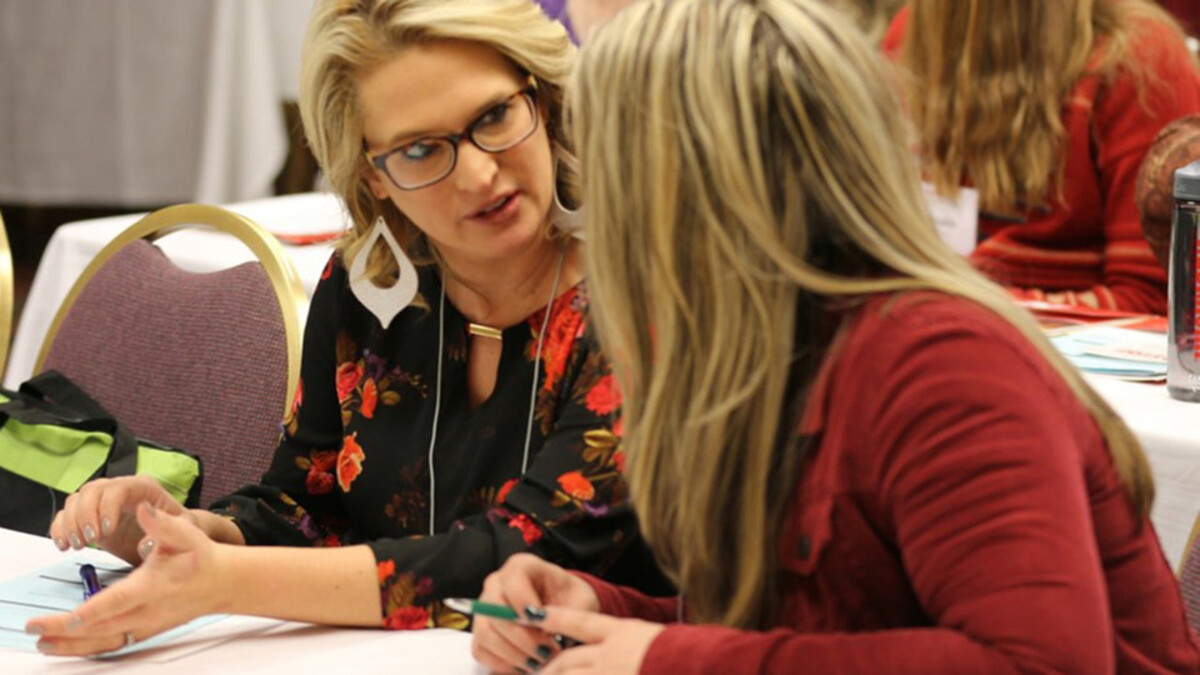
(68, 399)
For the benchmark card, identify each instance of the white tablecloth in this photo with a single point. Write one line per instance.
(145, 101)
(1170, 434)
(75, 244)
(247, 644)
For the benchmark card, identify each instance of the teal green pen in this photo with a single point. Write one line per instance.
(469, 606)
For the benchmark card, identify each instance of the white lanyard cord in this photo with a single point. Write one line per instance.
(437, 391)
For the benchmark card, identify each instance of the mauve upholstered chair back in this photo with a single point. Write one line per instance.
(194, 361)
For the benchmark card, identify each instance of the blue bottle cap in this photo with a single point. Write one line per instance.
(1187, 182)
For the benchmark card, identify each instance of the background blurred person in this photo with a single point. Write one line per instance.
(1047, 108)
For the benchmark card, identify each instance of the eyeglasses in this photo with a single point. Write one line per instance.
(426, 161)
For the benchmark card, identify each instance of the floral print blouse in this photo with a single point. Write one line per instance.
(352, 463)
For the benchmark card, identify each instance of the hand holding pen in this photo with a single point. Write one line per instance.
(508, 642)
(605, 645)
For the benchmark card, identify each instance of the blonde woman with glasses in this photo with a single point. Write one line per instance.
(849, 450)
(1048, 109)
(454, 408)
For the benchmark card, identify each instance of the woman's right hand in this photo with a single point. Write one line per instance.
(103, 512)
(525, 580)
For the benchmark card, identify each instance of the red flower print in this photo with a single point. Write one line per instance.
(604, 397)
(530, 532)
(318, 482)
(386, 569)
(619, 460)
(574, 484)
(370, 396)
(328, 268)
(323, 460)
(407, 618)
(298, 398)
(502, 494)
(618, 428)
(320, 472)
(560, 336)
(348, 375)
(332, 540)
(349, 462)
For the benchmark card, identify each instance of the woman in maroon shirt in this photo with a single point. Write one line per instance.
(849, 450)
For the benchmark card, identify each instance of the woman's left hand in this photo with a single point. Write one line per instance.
(609, 646)
(180, 580)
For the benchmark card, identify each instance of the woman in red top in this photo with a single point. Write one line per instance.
(1048, 108)
(849, 449)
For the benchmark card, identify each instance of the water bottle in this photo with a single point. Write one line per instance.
(1183, 346)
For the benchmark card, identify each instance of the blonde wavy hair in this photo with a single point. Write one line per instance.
(346, 38)
(871, 16)
(747, 178)
(988, 79)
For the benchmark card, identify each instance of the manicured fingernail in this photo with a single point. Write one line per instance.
(564, 641)
(146, 548)
(151, 510)
(33, 629)
(75, 543)
(106, 526)
(533, 664)
(45, 646)
(74, 622)
(535, 613)
(89, 533)
(544, 652)
(60, 543)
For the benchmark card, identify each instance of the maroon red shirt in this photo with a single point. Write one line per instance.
(960, 513)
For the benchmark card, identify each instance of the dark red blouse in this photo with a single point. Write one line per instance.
(960, 513)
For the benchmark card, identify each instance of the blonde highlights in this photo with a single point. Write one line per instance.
(746, 176)
(346, 38)
(988, 80)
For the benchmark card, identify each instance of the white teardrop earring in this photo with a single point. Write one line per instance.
(384, 303)
(567, 220)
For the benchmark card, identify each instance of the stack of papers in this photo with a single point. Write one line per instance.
(1115, 351)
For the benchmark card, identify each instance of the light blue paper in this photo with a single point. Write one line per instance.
(57, 588)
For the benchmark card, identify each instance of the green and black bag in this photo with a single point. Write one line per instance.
(55, 438)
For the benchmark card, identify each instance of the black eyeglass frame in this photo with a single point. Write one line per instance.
(529, 93)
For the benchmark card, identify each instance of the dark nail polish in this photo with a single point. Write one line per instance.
(534, 613)
(533, 664)
(544, 652)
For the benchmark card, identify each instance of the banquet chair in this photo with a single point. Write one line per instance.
(6, 296)
(205, 362)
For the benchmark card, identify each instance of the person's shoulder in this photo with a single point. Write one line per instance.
(891, 330)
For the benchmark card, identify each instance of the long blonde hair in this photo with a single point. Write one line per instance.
(746, 174)
(988, 80)
(346, 38)
(871, 16)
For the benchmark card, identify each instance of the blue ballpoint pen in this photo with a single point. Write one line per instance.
(91, 582)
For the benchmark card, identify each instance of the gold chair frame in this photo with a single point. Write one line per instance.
(6, 297)
(266, 249)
